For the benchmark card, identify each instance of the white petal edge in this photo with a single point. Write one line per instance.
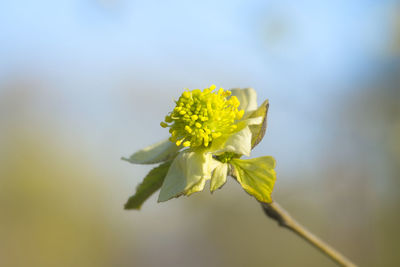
(253, 121)
(247, 98)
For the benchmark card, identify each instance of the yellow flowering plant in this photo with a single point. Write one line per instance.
(210, 131)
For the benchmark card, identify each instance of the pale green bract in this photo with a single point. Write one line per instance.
(187, 174)
(156, 153)
(219, 176)
(257, 176)
(187, 170)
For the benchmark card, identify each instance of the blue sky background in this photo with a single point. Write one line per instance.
(303, 56)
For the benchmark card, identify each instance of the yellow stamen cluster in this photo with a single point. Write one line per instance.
(202, 116)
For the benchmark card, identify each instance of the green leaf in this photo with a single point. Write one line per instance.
(247, 98)
(151, 183)
(256, 176)
(159, 152)
(187, 174)
(218, 178)
(258, 130)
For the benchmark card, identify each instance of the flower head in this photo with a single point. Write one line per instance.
(199, 117)
(210, 130)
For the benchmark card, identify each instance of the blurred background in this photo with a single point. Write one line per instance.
(84, 82)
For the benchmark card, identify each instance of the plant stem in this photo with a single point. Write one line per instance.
(274, 211)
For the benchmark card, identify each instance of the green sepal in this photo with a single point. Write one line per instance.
(158, 152)
(151, 183)
(257, 176)
(258, 130)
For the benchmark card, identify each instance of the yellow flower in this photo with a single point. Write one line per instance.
(210, 130)
(199, 117)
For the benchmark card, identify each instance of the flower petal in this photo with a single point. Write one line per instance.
(247, 98)
(197, 187)
(187, 174)
(256, 176)
(218, 178)
(155, 153)
(238, 142)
